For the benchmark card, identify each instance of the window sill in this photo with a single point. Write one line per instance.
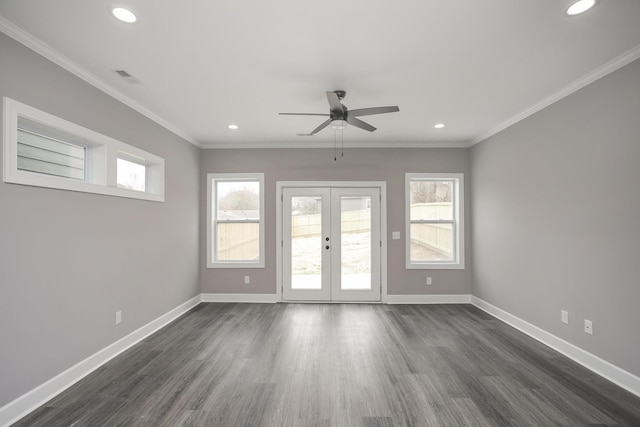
(48, 181)
(235, 265)
(435, 266)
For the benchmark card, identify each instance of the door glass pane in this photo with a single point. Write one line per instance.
(431, 242)
(306, 243)
(355, 235)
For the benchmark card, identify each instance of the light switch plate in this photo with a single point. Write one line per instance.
(395, 235)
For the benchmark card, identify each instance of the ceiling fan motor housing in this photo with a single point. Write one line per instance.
(339, 114)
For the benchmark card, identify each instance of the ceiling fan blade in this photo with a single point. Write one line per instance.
(373, 110)
(334, 102)
(360, 124)
(322, 126)
(303, 114)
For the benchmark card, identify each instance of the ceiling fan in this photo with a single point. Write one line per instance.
(338, 114)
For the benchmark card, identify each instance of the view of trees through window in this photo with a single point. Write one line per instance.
(430, 191)
(238, 196)
(306, 205)
(238, 200)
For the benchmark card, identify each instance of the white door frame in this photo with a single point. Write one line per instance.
(382, 185)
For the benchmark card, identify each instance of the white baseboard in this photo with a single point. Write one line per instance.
(254, 298)
(390, 299)
(429, 299)
(35, 398)
(616, 375)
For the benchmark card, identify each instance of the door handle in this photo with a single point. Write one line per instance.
(327, 239)
(326, 247)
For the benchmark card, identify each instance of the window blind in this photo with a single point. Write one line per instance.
(41, 154)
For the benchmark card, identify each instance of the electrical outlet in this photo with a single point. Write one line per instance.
(118, 317)
(588, 327)
(429, 281)
(564, 316)
(247, 280)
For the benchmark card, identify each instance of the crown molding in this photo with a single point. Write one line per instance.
(587, 79)
(307, 143)
(21, 36)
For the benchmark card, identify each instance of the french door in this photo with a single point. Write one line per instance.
(331, 244)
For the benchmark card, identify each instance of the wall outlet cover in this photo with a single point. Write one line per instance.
(564, 316)
(588, 327)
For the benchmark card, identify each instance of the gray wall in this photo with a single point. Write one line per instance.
(359, 164)
(556, 208)
(69, 260)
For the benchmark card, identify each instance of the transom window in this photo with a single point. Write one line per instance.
(43, 150)
(42, 154)
(131, 175)
(434, 218)
(235, 237)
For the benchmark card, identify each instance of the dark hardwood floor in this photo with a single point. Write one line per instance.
(339, 365)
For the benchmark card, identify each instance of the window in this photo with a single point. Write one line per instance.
(435, 221)
(46, 155)
(45, 151)
(235, 223)
(131, 175)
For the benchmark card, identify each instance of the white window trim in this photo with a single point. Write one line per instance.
(458, 212)
(211, 178)
(101, 157)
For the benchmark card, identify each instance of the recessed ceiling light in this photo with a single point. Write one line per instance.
(439, 126)
(233, 127)
(124, 15)
(580, 6)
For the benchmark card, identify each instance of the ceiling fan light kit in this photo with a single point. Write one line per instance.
(338, 124)
(339, 115)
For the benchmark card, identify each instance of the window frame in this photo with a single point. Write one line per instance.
(212, 179)
(458, 262)
(101, 153)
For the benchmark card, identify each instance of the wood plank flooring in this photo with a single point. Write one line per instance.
(339, 365)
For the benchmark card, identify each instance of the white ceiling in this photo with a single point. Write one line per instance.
(477, 66)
